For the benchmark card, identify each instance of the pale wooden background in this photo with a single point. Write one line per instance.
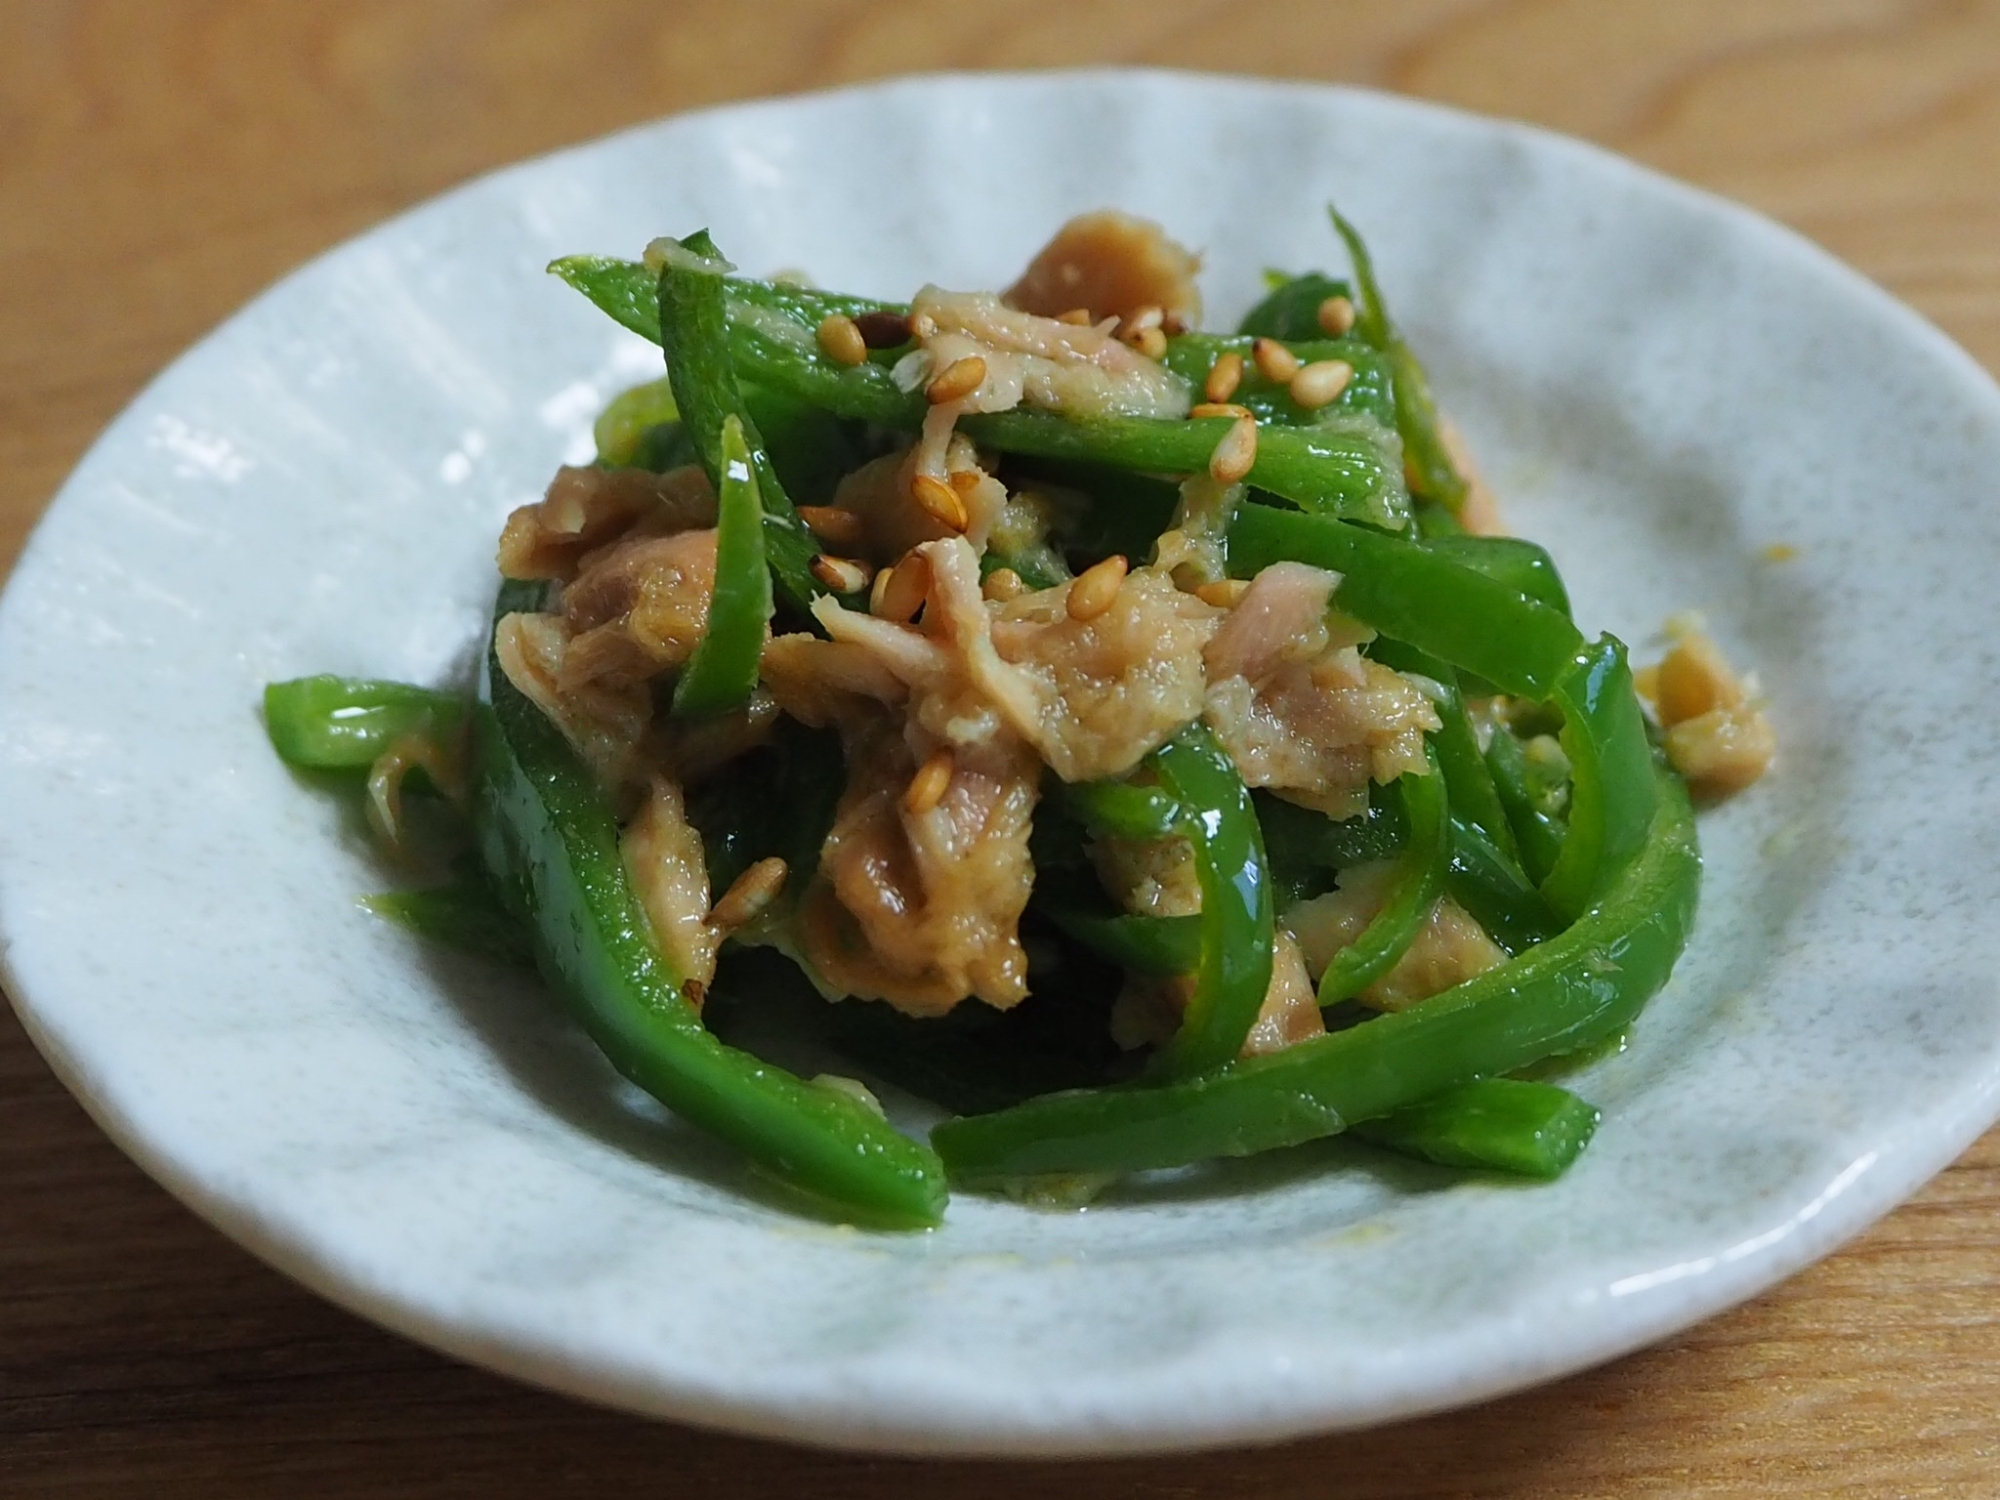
(161, 161)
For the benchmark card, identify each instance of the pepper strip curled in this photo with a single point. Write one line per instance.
(722, 673)
(1234, 972)
(329, 723)
(1413, 890)
(550, 838)
(1558, 997)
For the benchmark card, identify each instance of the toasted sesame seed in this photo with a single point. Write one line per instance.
(1003, 584)
(1223, 377)
(841, 340)
(1142, 318)
(1095, 588)
(1217, 409)
(903, 593)
(750, 895)
(879, 589)
(842, 575)
(1224, 593)
(956, 380)
(838, 528)
(1274, 359)
(1173, 325)
(1078, 316)
(1151, 342)
(1321, 382)
(1336, 316)
(1236, 454)
(940, 502)
(883, 329)
(928, 786)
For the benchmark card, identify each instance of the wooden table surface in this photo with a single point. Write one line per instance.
(162, 160)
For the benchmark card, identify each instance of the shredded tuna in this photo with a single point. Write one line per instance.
(1149, 1008)
(1717, 734)
(1449, 949)
(663, 857)
(923, 909)
(1299, 709)
(604, 722)
(1112, 265)
(587, 507)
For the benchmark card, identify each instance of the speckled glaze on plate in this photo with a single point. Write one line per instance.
(1661, 386)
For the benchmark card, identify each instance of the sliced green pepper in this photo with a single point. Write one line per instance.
(1611, 798)
(329, 723)
(1236, 918)
(1327, 469)
(1558, 997)
(1290, 310)
(1432, 473)
(549, 836)
(1414, 887)
(694, 332)
(722, 672)
(1501, 1124)
(1411, 592)
(1496, 892)
(1538, 832)
(1522, 565)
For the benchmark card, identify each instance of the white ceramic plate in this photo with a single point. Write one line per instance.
(1660, 385)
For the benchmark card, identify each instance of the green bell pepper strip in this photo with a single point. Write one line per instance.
(1237, 924)
(549, 836)
(1369, 393)
(1495, 891)
(1412, 593)
(1562, 996)
(1500, 1124)
(722, 672)
(1120, 808)
(1413, 890)
(329, 723)
(1522, 565)
(1538, 833)
(1305, 848)
(1291, 308)
(1324, 469)
(1433, 474)
(1142, 944)
(1611, 798)
(694, 332)
(1455, 743)
(465, 914)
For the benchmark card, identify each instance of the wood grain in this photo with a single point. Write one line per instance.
(159, 163)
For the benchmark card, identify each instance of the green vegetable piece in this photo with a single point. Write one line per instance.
(1370, 393)
(1120, 808)
(1538, 832)
(1433, 474)
(550, 838)
(625, 427)
(1305, 848)
(331, 723)
(1495, 891)
(694, 332)
(464, 915)
(723, 670)
(1413, 890)
(1291, 309)
(1501, 1124)
(1236, 918)
(1321, 468)
(1611, 798)
(1559, 997)
(1522, 565)
(1145, 945)
(1467, 780)
(1410, 592)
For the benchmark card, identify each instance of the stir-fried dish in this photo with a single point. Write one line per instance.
(1144, 743)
